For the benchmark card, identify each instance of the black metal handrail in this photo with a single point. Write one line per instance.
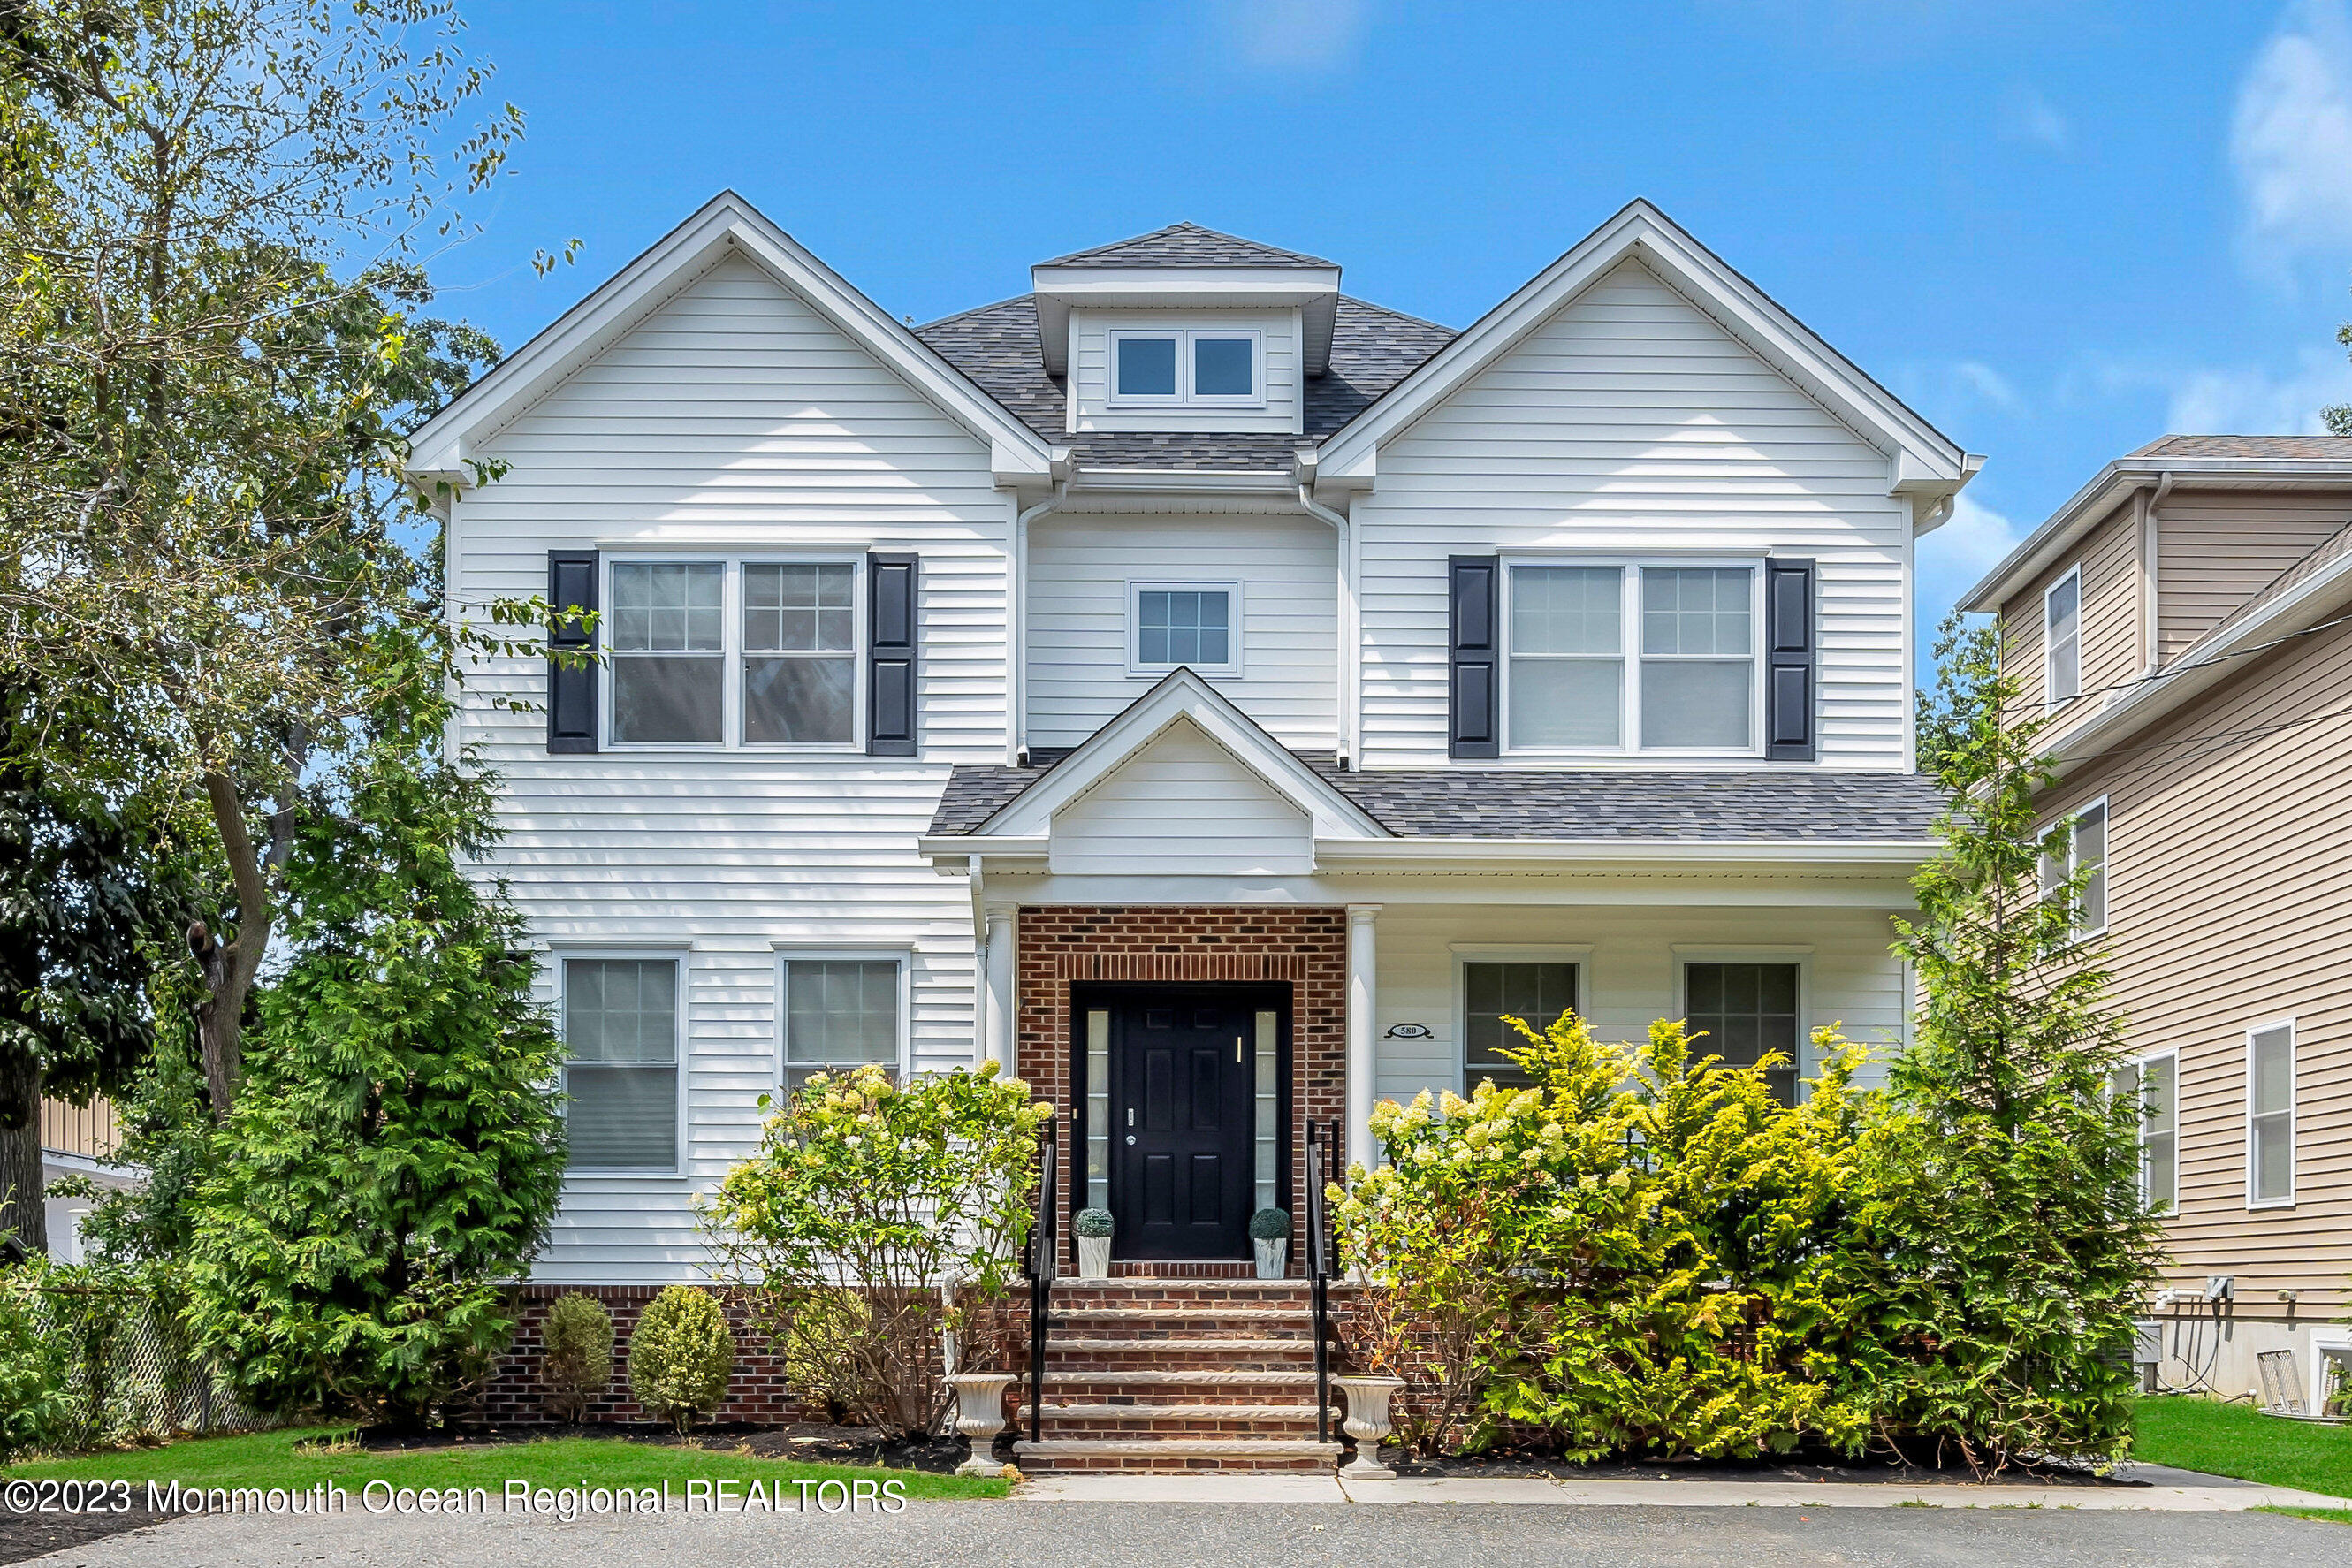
(1044, 1250)
(1318, 1275)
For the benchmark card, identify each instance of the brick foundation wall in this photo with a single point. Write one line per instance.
(1305, 948)
(517, 1391)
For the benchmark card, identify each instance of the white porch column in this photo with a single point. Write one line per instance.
(1003, 953)
(1363, 994)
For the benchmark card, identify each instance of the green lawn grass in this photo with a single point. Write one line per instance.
(299, 1459)
(2237, 1440)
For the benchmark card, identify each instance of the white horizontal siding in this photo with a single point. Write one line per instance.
(1079, 569)
(1182, 805)
(1630, 977)
(1090, 371)
(1632, 421)
(735, 416)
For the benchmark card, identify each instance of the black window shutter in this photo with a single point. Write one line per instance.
(1472, 585)
(890, 654)
(572, 690)
(1789, 718)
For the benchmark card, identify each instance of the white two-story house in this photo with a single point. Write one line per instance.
(1217, 698)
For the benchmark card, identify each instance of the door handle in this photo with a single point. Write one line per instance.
(1238, 1050)
(1131, 1118)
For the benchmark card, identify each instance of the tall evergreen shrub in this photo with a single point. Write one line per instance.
(2005, 1197)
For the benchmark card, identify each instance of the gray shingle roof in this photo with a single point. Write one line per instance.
(1373, 349)
(1589, 804)
(1186, 245)
(2307, 448)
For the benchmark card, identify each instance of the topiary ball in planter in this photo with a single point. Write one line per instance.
(1270, 1224)
(1098, 1223)
(1270, 1242)
(1093, 1227)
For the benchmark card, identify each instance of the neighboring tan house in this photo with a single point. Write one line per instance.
(1215, 697)
(2183, 621)
(77, 1140)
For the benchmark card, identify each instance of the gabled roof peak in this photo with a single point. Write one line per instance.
(1187, 244)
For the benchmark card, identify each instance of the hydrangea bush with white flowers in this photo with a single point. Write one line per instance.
(1645, 1253)
(865, 1198)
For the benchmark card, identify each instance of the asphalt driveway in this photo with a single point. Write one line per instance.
(1189, 1535)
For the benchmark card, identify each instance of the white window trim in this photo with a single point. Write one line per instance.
(1137, 587)
(1800, 957)
(904, 957)
(2139, 1071)
(730, 647)
(1183, 396)
(2293, 1063)
(1629, 715)
(2049, 649)
(675, 954)
(2072, 821)
(1577, 955)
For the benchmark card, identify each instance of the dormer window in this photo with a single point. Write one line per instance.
(1214, 369)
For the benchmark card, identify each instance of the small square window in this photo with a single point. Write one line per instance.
(1740, 1012)
(839, 1014)
(1223, 367)
(1147, 367)
(1187, 625)
(1535, 994)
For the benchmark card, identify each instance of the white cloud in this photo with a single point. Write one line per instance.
(1308, 35)
(2258, 402)
(1990, 385)
(2291, 138)
(2027, 116)
(1972, 542)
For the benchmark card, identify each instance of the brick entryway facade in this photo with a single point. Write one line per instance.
(1305, 948)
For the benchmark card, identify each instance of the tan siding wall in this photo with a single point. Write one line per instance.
(2109, 557)
(86, 1130)
(2217, 549)
(2230, 899)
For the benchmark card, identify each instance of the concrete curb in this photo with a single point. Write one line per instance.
(2223, 1496)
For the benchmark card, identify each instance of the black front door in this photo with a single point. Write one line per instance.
(1181, 1073)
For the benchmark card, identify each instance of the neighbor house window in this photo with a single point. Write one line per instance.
(2081, 845)
(1196, 624)
(839, 1014)
(1217, 368)
(620, 1039)
(1535, 994)
(1641, 657)
(734, 652)
(2062, 638)
(2154, 1082)
(1745, 1012)
(2269, 1115)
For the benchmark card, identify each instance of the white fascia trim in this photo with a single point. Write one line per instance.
(453, 436)
(1922, 460)
(2199, 669)
(1183, 481)
(2113, 485)
(1180, 696)
(1314, 292)
(1490, 853)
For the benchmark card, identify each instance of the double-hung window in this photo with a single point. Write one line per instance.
(841, 1012)
(1535, 994)
(1747, 1011)
(1207, 367)
(2270, 1115)
(620, 1039)
(742, 652)
(1632, 658)
(2153, 1081)
(2061, 638)
(1193, 624)
(2080, 845)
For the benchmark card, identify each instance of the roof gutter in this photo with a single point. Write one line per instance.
(1490, 854)
(1016, 623)
(1351, 640)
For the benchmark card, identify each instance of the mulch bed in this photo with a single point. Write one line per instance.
(1504, 1465)
(813, 1441)
(23, 1535)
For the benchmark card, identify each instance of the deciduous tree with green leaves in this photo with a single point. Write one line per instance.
(2005, 1192)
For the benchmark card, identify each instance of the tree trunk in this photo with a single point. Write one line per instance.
(21, 1208)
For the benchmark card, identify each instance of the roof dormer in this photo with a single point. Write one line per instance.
(1187, 268)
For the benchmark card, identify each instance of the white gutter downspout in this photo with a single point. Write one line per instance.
(2149, 539)
(1351, 638)
(1016, 629)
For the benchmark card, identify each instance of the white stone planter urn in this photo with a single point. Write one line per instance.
(980, 1415)
(1367, 1422)
(1273, 1258)
(1094, 1257)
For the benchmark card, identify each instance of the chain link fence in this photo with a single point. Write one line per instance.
(130, 1371)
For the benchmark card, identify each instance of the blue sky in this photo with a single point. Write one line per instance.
(2058, 229)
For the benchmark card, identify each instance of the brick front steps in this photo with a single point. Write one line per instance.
(1158, 1374)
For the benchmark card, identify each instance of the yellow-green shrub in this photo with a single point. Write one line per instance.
(578, 1365)
(681, 1355)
